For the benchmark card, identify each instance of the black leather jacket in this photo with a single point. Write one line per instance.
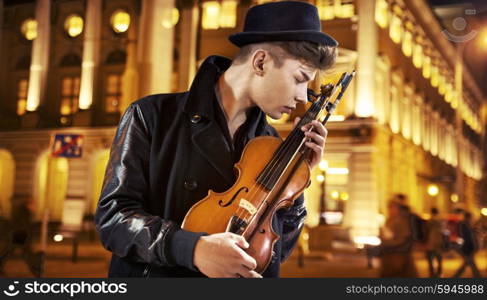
(168, 151)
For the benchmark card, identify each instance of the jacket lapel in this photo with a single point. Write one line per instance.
(206, 135)
(210, 142)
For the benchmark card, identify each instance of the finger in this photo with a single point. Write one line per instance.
(246, 260)
(249, 274)
(320, 128)
(316, 148)
(316, 137)
(240, 241)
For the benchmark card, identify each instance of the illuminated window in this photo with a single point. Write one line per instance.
(382, 13)
(395, 30)
(113, 94)
(407, 43)
(426, 67)
(418, 53)
(434, 75)
(211, 15)
(441, 83)
(73, 25)
(329, 9)
(228, 14)
(416, 120)
(120, 21)
(22, 96)
(170, 18)
(29, 29)
(69, 95)
(448, 92)
(344, 8)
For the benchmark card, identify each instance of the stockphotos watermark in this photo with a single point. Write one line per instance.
(66, 288)
(459, 24)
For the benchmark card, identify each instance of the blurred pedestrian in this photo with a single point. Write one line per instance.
(434, 243)
(396, 249)
(468, 246)
(20, 237)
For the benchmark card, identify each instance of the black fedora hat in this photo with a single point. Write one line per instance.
(282, 21)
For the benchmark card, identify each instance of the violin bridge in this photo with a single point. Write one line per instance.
(247, 206)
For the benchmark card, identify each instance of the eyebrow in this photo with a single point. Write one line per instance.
(305, 76)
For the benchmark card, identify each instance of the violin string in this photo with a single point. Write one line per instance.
(282, 151)
(295, 136)
(267, 173)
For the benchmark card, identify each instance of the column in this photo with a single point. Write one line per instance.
(40, 57)
(367, 45)
(155, 47)
(130, 77)
(459, 182)
(90, 64)
(91, 53)
(187, 45)
(363, 206)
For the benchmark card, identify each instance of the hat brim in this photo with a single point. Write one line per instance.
(243, 38)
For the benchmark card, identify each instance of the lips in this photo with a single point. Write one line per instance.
(287, 109)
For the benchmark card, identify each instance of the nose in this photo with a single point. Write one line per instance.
(302, 95)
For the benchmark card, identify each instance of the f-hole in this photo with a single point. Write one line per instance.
(220, 202)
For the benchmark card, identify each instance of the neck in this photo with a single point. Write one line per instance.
(232, 95)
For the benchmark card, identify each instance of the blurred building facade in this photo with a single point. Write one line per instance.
(407, 124)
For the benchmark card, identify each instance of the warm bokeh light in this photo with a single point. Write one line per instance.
(320, 178)
(483, 211)
(433, 190)
(73, 25)
(367, 240)
(382, 13)
(323, 165)
(454, 198)
(120, 21)
(395, 30)
(170, 18)
(228, 14)
(58, 238)
(407, 43)
(211, 15)
(29, 29)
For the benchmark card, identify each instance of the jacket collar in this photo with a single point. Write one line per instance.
(201, 92)
(206, 134)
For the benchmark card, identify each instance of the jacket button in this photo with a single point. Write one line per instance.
(190, 185)
(195, 118)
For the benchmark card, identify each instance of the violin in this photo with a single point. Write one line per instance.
(271, 175)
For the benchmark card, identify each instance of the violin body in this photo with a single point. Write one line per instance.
(247, 208)
(271, 175)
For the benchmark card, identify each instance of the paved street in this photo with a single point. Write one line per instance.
(93, 261)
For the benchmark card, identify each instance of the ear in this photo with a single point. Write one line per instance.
(259, 60)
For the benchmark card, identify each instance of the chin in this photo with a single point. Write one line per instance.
(275, 115)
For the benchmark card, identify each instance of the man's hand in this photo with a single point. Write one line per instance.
(318, 138)
(222, 255)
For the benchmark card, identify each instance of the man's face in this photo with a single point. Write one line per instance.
(278, 89)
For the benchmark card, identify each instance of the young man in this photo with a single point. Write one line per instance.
(170, 149)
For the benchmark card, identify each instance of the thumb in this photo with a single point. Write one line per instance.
(296, 121)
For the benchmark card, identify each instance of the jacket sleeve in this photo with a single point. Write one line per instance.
(124, 226)
(293, 220)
